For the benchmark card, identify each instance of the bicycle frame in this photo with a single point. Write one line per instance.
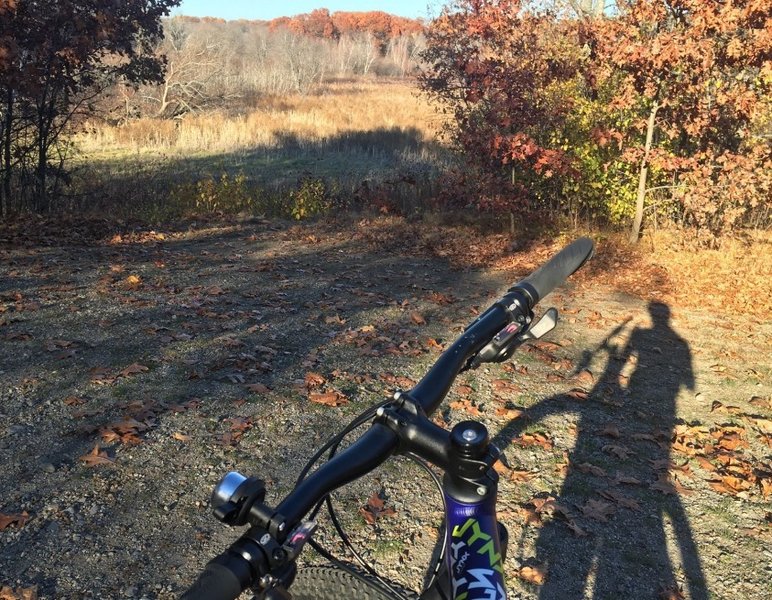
(473, 568)
(475, 557)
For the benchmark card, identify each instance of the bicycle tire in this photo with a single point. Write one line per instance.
(333, 583)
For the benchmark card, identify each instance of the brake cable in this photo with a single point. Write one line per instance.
(379, 583)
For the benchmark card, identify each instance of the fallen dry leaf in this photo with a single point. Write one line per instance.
(433, 343)
(258, 388)
(590, 468)
(509, 413)
(578, 394)
(585, 376)
(611, 431)
(719, 407)
(134, 369)
(96, 457)
(8, 593)
(669, 486)
(417, 318)
(575, 529)
(515, 475)
(597, 510)
(332, 398)
(465, 405)
(551, 506)
(535, 574)
(621, 499)
(671, 592)
(375, 509)
(533, 439)
(16, 519)
(181, 437)
(617, 450)
(314, 380)
(706, 464)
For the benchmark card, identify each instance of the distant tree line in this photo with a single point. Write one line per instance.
(217, 64)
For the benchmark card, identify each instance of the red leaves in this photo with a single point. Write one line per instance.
(719, 451)
(592, 469)
(465, 405)
(314, 380)
(618, 450)
(669, 486)
(105, 376)
(125, 432)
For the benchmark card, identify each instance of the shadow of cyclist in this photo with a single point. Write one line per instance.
(628, 555)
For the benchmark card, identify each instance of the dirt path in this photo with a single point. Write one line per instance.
(136, 372)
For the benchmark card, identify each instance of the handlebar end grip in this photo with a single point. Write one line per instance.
(224, 578)
(555, 271)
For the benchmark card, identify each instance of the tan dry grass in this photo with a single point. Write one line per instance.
(334, 109)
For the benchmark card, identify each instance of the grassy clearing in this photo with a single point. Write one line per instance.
(370, 142)
(335, 111)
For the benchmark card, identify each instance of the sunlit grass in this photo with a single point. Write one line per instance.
(333, 112)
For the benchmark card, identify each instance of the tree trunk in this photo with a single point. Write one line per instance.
(6, 143)
(635, 232)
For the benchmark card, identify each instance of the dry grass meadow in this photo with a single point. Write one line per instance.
(354, 138)
(333, 111)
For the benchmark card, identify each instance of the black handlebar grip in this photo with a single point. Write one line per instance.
(224, 578)
(555, 271)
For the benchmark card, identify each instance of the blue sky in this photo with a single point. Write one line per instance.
(264, 9)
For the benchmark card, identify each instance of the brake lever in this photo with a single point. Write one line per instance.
(509, 339)
(542, 327)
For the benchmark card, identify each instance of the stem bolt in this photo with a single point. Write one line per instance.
(482, 490)
(469, 435)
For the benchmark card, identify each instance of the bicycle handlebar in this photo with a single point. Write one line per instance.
(226, 572)
(556, 270)
(224, 578)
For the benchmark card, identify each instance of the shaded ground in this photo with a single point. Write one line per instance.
(136, 372)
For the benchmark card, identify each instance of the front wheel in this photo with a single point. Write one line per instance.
(333, 583)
